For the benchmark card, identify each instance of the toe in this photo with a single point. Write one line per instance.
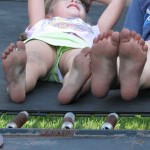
(145, 48)
(137, 37)
(125, 36)
(20, 45)
(115, 38)
(3, 55)
(86, 51)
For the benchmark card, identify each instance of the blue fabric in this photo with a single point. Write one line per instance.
(134, 20)
(138, 18)
(145, 7)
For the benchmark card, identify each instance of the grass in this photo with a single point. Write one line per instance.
(91, 122)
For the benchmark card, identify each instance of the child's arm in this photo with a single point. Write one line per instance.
(89, 2)
(104, 1)
(36, 11)
(111, 15)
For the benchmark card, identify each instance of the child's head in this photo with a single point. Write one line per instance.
(65, 8)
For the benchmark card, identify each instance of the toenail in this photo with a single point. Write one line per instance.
(15, 49)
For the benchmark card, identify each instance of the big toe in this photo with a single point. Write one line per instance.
(85, 51)
(20, 45)
(125, 35)
(115, 37)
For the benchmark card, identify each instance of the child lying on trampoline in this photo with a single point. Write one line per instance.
(57, 48)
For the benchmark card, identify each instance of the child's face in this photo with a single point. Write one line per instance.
(68, 9)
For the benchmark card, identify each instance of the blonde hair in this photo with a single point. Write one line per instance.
(48, 4)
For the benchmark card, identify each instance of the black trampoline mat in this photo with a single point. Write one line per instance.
(44, 98)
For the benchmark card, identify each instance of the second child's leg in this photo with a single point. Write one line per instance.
(104, 55)
(24, 65)
(134, 13)
(132, 58)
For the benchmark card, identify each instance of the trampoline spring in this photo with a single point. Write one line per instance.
(69, 119)
(19, 120)
(110, 122)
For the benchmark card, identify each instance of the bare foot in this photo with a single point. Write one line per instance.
(76, 78)
(133, 55)
(104, 63)
(14, 62)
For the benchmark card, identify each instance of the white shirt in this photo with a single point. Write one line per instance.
(75, 26)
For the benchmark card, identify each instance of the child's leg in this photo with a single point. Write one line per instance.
(104, 63)
(75, 64)
(132, 58)
(24, 65)
(134, 13)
